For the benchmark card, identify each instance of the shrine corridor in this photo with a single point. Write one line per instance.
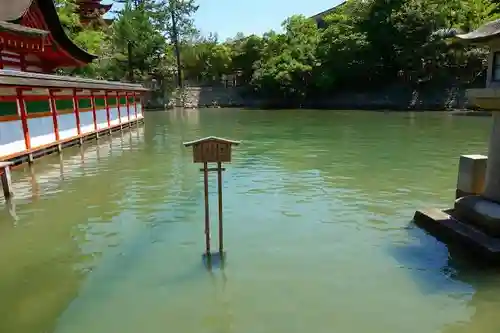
(108, 238)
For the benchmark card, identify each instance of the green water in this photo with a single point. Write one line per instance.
(318, 204)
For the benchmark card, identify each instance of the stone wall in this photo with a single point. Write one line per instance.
(195, 97)
(391, 98)
(397, 98)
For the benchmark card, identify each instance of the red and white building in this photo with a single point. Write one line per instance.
(39, 110)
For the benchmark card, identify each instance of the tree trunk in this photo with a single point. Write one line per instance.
(130, 67)
(175, 36)
(492, 184)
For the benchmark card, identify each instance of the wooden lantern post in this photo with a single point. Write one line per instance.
(212, 150)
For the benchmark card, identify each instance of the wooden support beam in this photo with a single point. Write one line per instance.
(118, 107)
(6, 179)
(94, 115)
(128, 106)
(77, 112)
(24, 118)
(207, 210)
(213, 169)
(106, 103)
(53, 109)
(135, 105)
(221, 227)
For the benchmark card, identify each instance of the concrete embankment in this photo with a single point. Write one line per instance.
(392, 98)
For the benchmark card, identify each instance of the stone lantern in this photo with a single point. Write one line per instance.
(488, 98)
(475, 218)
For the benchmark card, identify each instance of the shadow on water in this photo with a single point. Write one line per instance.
(47, 247)
(437, 267)
(448, 269)
(214, 261)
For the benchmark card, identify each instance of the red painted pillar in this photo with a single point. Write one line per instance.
(142, 106)
(135, 105)
(24, 117)
(53, 109)
(118, 107)
(106, 103)
(128, 105)
(77, 112)
(22, 61)
(1, 60)
(94, 115)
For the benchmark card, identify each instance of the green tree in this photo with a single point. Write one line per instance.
(345, 52)
(288, 61)
(93, 40)
(175, 20)
(246, 52)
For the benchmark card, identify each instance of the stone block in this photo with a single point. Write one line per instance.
(471, 174)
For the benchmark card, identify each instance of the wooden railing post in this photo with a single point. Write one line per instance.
(94, 114)
(24, 117)
(118, 107)
(76, 112)
(106, 104)
(53, 110)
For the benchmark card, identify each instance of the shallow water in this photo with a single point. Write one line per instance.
(317, 208)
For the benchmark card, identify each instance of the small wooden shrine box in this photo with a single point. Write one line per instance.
(211, 149)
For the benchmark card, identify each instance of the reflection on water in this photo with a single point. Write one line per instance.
(108, 237)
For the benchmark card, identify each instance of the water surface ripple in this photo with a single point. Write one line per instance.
(317, 207)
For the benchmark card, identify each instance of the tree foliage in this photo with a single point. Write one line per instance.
(365, 44)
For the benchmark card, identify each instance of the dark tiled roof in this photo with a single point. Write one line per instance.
(326, 12)
(13, 10)
(483, 33)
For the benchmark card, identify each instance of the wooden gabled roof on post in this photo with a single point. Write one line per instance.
(211, 138)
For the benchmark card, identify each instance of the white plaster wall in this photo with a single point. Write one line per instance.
(113, 116)
(41, 131)
(67, 126)
(86, 122)
(11, 137)
(139, 110)
(124, 114)
(132, 112)
(102, 121)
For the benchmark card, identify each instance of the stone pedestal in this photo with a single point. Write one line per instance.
(492, 183)
(480, 212)
(483, 211)
(471, 175)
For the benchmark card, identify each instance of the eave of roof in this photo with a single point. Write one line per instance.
(211, 138)
(48, 9)
(17, 28)
(328, 11)
(29, 79)
(13, 10)
(483, 34)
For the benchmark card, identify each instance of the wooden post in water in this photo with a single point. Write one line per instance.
(207, 209)
(6, 180)
(221, 228)
(212, 150)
